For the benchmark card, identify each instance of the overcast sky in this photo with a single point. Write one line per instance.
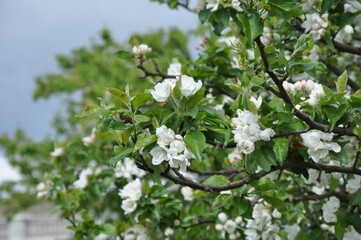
(32, 32)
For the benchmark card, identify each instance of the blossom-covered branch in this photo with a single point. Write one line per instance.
(284, 95)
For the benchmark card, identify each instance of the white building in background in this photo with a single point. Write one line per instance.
(35, 224)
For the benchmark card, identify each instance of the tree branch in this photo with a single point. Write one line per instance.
(284, 95)
(252, 177)
(215, 172)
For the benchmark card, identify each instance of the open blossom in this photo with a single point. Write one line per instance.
(57, 152)
(42, 190)
(345, 34)
(316, 24)
(174, 69)
(187, 193)
(188, 86)
(89, 139)
(248, 131)
(128, 169)
(319, 144)
(330, 208)
(131, 193)
(141, 49)
(213, 4)
(171, 148)
(163, 90)
(235, 5)
(84, 175)
(354, 184)
(257, 102)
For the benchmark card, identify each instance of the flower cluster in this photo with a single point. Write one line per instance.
(130, 194)
(319, 144)
(248, 131)
(316, 24)
(141, 49)
(228, 226)
(330, 208)
(164, 89)
(171, 148)
(262, 223)
(137, 232)
(42, 189)
(128, 169)
(84, 175)
(315, 90)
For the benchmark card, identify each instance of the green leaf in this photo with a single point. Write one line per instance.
(119, 94)
(116, 125)
(121, 153)
(334, 114)
(203, 15)
(326, 5)
(253, 26)
(303, 46)
(342, 82)
(141, 118)
(141, 99)
(217, 180)
(280, 149)
(192, 112)
(144, 140)
(339, 231)
(221, 200)
(195, 142)
(241, 205)
(195, 99)
(124, 54)
(165, 115)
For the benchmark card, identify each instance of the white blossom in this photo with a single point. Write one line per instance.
(174, 69)
(351, 234)
(138, 232)
(257, 102)
(230, 226)
(330, 208)
(163, 90)
(83, 180)
(248, 131)
(187, 193)
(344, 34)
(213, 4)
(230, 41)
(200, 4)
(316, 24)
(319, 144)
(354, 184)
(42, 190)
(266, 36)
(130, 194)
(128, 169)
(222, 217)
(57, 152)
(141, 49)
(308, 4)
(188, 86)
(235, 5)
(171, 148)
(292, 231)
(169, 232)
(89, 139)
